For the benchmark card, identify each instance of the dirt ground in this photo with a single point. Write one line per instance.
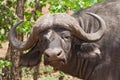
(3, 50)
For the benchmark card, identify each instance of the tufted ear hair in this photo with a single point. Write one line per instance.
(89, 51)
(31, 58)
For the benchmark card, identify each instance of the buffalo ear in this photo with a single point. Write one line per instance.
(32, 58)
(89, 51)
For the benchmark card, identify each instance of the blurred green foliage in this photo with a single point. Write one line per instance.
(4, 63)
(63, 5)
(8, 16)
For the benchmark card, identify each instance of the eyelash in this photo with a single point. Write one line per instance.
(66, 37)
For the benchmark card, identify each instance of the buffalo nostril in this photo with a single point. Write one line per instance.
(59, 53)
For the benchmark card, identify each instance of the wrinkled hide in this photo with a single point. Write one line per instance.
(109, 69)
(31, 58)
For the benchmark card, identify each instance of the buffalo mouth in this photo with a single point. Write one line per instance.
(56, 64)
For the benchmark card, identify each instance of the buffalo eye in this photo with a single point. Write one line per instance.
(66, 37)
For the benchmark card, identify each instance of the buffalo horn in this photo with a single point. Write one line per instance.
(19, 44)
(91, 37)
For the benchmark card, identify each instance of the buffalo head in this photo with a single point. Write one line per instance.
(54, 35)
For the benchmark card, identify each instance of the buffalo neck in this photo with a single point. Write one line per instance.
(79, 67)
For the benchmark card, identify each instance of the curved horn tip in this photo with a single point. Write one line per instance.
(21, 21)
(100, 32)
(90, 13)
(98, 17)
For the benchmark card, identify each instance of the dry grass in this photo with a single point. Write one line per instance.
(3, 50)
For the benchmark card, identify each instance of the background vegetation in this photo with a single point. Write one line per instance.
(32, 10)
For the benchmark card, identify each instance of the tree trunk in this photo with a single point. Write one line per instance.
(14, 72)
(20, 9)
(39, 8)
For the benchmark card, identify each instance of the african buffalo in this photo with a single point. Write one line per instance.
(85, 44)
